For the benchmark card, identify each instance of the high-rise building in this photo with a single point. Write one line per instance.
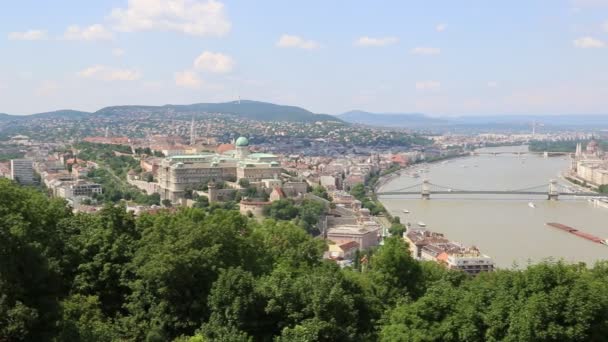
(22, 171)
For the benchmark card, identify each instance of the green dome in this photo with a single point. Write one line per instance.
(242, 141)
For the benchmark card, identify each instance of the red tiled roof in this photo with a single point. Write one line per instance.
(349, 245)
(225, 147)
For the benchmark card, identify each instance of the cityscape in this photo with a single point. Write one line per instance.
(221, 218)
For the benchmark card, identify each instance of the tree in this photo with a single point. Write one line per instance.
(102, 246)
(397, 229)
(395, 273)
(166, 203)
(179, 258)
(84, 321)
(31, 262)
(358, 192)
(320, 191)
(244, 183)
(235, 304)
(201, 202)
(283, 209)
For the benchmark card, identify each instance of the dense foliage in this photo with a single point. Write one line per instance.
(359, 192)
(202, 275)
(305, 214)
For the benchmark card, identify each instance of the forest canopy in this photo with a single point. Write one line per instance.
(215, 275)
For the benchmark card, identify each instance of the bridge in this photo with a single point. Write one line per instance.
(520, 153)
(553, 190)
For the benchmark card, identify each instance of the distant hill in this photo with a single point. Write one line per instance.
(576, 120)
(63, 114)
(58, 114)
(262, 111)
(414, 120)
(489, 122)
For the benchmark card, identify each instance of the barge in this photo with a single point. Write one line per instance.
(577, 232)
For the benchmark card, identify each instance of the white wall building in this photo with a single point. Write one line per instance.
(22, 171)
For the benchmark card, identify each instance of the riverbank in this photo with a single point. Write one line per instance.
(383, 180)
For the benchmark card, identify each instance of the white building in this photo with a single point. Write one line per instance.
(22, 171)
(78, 189)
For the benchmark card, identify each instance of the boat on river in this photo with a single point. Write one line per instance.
(421, 224)
(577, 232)
(531, 205)
(405, 211)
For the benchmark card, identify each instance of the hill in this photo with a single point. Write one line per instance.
(488, 122)
(61, 114)
(255, 110)
(57, 114)
(390, 119)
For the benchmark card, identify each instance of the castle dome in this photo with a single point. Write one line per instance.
(242, 142)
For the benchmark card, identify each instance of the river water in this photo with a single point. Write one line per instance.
(504, 227)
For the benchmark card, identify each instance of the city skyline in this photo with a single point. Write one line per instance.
(544, 57)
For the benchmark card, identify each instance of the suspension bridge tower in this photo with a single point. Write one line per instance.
(426, 189)
(553, 194)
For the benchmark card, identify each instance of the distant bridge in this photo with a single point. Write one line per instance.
(520, 153)
(426, 188)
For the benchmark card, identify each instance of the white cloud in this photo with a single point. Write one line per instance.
(194, 17)
(426, 51)
(291, 41)
(28, 35)
(588, 43)
(188, 79)
(117, 52)
(492, 84)
(428, 85)
(107, 73)
(605, 26)
(90, 33)
(441, 27)
(369, 41)
(214, 62)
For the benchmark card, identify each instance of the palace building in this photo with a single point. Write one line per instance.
(178, 173)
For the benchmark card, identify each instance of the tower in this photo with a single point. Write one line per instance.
(192, 136)
(212, 191)
(553, 193)
(242, 147)
(426, 190)
(579, 150)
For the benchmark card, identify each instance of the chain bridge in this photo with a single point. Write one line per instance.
(552, 190)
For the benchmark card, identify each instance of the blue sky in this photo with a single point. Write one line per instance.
(436, 57)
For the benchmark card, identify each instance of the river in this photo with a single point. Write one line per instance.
(504, 227)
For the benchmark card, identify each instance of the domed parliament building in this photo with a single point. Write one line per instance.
(590, 165)
(178, 173)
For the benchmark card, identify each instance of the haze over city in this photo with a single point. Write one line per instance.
(433, 57)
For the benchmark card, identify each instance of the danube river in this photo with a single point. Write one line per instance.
(505, 227)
